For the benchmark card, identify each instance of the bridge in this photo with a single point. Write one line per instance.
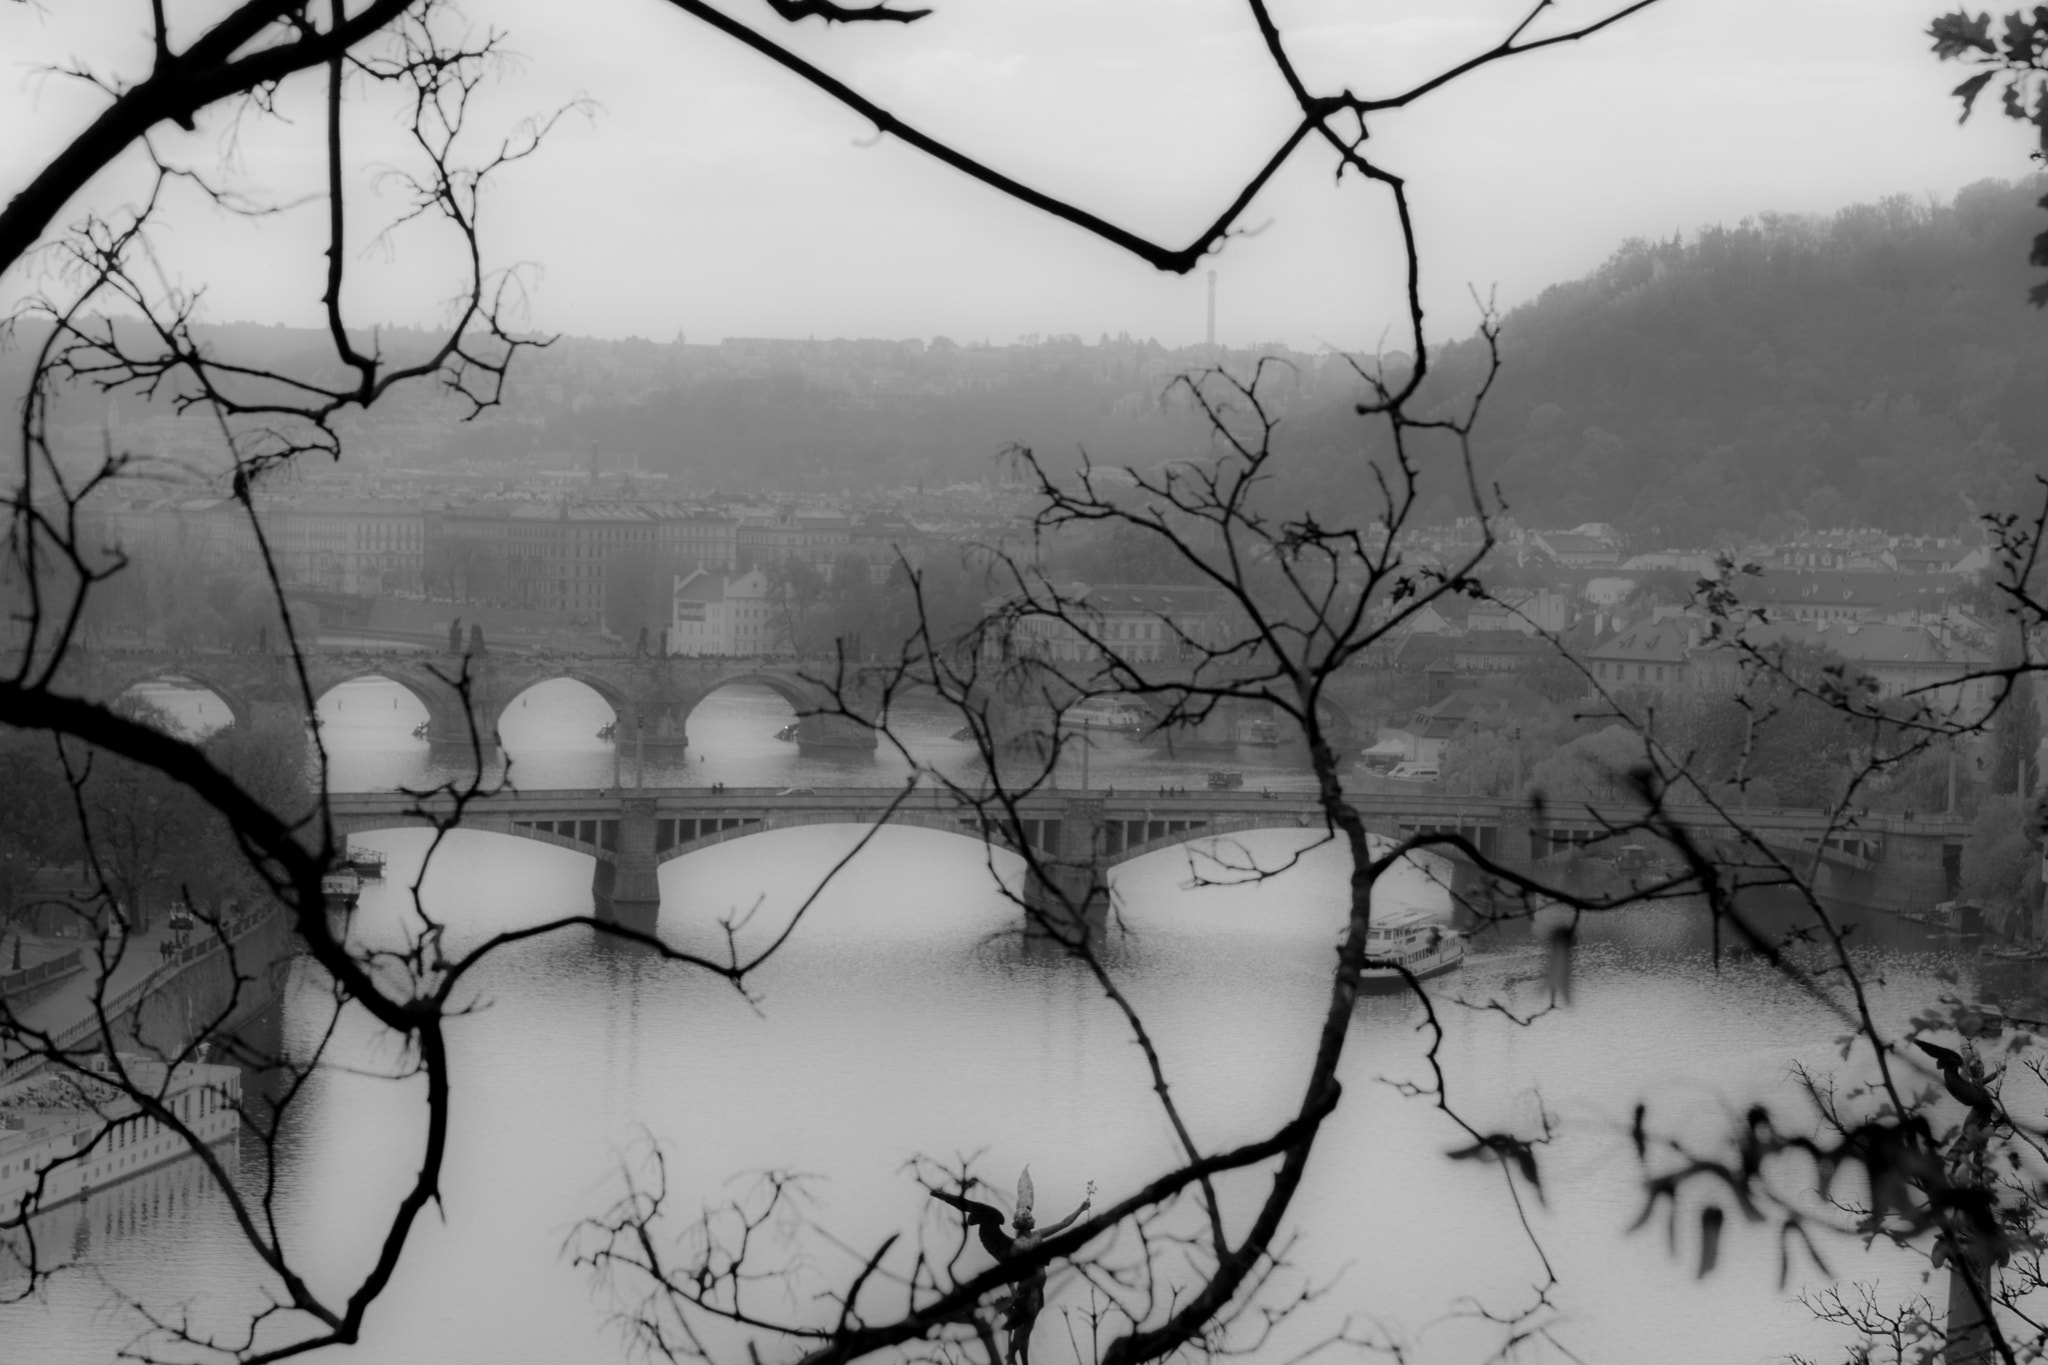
(651, 696)
(1080, 835)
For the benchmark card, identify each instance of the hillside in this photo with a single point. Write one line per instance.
(1881, 366)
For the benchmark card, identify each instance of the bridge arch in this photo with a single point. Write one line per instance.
(1159, 835)
(443, 705)
(597, 836)
(241, 709)
(801, 696)
(607, 692)
(678, 837)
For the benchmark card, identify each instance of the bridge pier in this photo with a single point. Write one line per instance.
(822, 732)
(625, 886)
(1066, 889)
(1066, 901)
(446, 745)
(654, 727)
(1911, 874)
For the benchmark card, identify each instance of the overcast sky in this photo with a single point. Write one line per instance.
(714, 195)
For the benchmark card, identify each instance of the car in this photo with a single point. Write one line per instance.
(797, 791)
(1416, 772)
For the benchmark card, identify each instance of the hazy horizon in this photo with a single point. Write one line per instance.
(715, 196)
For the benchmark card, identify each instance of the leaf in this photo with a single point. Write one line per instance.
(1711, 1219)
(1957, 35)
(2022, 40)
(1968, 90)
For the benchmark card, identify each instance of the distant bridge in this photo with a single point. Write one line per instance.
(651, 696)
(1082, 834)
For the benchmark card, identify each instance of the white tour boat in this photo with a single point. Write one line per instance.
(1410, 939)
(74, 1134)
(1106, 713)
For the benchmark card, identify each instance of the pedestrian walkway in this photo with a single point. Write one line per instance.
(71, 1003)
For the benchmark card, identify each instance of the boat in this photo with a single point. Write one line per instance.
(420, 731)
(367, 863)
(1225, 779)
(608, 729)
(2014, 952)
(1962, 916)
(73, 1133)
(342, 887)
(1413, 940)
(1263, 734)
(788, 732)
(1102, 713)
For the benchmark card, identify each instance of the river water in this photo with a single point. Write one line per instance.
(902, 1020)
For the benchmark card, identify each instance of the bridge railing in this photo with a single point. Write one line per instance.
(15, 982)
(74, 1036)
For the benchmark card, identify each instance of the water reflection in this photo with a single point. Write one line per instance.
(903, 1019)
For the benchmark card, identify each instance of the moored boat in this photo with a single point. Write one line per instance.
(341, 887)
(1411, 943)
(367, 863)
(2015, 952)
(70, 1134)
(1264, 734)
(1105, 713)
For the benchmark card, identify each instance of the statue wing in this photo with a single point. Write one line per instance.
(985, 1219)
(1942, 1056)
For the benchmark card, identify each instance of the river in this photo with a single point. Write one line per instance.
(902, 1019)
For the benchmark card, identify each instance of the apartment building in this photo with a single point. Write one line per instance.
(725, 616)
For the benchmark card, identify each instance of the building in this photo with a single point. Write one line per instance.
(1593, 545)
(1656, 653)
(786, 536)
(367, 547)
(690, 538)
(1077, 622)
(1528, 610)
(1926, 661)
(1846, 594)
(548, 556)
(1497, 651)
(726, 616)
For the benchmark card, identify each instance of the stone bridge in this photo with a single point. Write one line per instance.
(1883, 860)
(651, 696)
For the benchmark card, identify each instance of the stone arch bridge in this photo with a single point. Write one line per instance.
(652, 697)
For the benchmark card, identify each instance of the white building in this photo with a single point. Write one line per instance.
(715, 614)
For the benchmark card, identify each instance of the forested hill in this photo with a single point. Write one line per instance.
(1881, 366)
